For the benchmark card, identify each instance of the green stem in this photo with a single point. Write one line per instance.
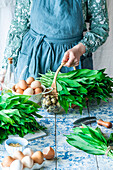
(110, 154)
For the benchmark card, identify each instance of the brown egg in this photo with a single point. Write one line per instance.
(18, 155)
(48, 153)
(29, 86)
(16, 86)
(23, 84)
(7, 161)
(19, 90)
(35, 84)
(38, 157)
(30, 80)
(38, 90)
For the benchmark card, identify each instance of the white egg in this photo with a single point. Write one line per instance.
(28, 91)
(28, 152)
(16, 165)
(27, 162)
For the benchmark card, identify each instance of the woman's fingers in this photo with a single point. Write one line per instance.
(75, 64)
(70, 59)
(66, 57)
(72, 56)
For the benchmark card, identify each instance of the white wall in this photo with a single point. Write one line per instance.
(103, 57)
(6, 13)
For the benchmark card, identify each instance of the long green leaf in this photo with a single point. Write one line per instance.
(89, 140)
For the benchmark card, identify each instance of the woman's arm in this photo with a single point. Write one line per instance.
(97, 16)
(19, 26)
(96, 36)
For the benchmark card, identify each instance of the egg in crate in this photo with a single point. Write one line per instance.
(7, 161)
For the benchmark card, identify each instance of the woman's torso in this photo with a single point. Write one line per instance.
(60, 19)
(56, 26)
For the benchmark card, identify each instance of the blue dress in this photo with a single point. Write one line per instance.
(55, 27)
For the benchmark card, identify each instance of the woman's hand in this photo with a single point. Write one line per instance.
(72, 56)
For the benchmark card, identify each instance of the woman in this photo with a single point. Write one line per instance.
(45, 33)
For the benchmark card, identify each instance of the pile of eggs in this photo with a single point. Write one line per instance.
(28, 87)
(27, 159)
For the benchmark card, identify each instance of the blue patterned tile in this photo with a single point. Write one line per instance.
(2, 155)
(49, 165)
(44, 113)
(72, 113)
(63, 127)
(104, 109)
(76, 161)
(49, 140)
(105, 163)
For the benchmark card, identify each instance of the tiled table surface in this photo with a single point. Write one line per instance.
(68, 157)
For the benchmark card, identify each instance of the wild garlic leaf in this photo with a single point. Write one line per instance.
(89, 140)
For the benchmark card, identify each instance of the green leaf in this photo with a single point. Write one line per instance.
(17, 115)
(89, 140)
(110, 139)
(81, 83)
(71, 83)
(5, 118)
(59, 87)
